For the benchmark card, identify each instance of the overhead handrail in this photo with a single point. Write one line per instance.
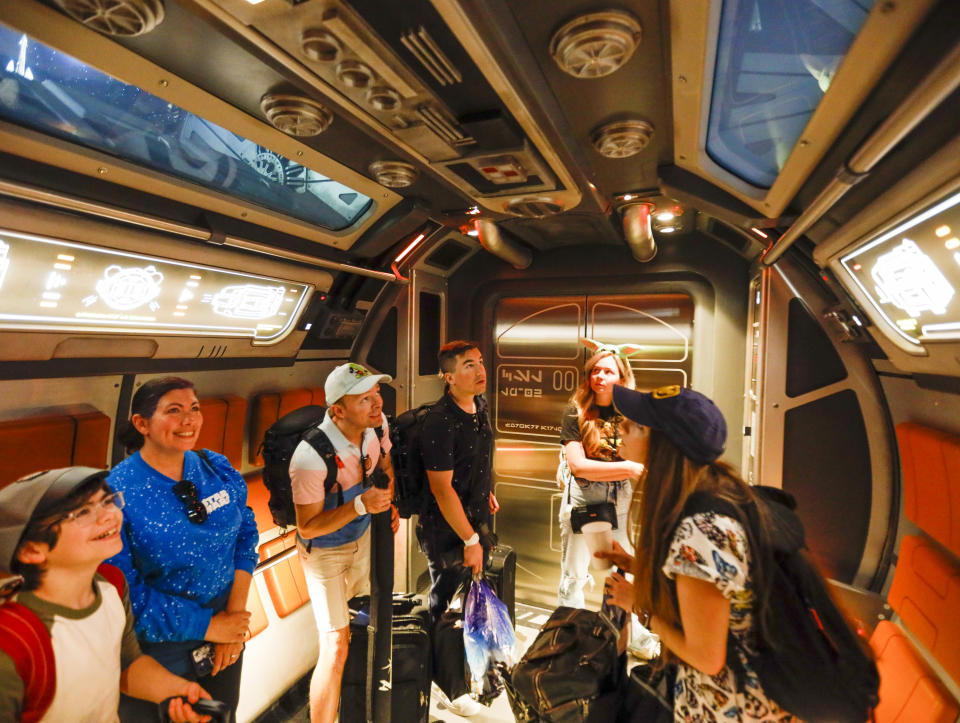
(932, 90)
(26, 192)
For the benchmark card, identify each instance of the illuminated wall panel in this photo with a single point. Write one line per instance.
(49, 284)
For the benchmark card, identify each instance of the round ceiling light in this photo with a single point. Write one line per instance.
(383, 98)
(319, 45)
(596, 44)
(394, 174)
(354, 74)
(534, 206)
(622, 139)
(120, 18)
(296, 115)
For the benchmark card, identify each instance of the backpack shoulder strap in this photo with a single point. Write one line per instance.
(321, 443)
(27, 641)
(114, 576)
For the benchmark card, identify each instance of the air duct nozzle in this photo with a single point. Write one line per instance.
(637, 231)
(507, 249)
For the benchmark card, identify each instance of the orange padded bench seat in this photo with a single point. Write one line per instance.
(926, 595)
(270, 406)
(222, 430)
(285, 581)
(909, 691)
(258, 616)
(931, 481)
(55, 440)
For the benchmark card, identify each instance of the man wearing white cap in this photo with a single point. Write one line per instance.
(333, 530)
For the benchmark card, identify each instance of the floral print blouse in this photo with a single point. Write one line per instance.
(713, 547)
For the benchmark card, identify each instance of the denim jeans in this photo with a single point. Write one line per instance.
(574, 555)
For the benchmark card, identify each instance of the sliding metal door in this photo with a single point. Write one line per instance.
(537, 364)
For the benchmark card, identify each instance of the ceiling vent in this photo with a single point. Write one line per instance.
(534, 206)
(424, 49)
(596, 44)
(394, 174)
(438, 121)
(621, 139)
(296, 115)
(120, 18)
(319, 45)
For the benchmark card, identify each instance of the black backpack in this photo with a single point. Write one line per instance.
(277, 448)
(411, 489)
(816, 667)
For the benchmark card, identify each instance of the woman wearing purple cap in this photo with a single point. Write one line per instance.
(695, 576)
(591, 468)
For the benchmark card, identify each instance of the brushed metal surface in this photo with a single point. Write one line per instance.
(538, 363)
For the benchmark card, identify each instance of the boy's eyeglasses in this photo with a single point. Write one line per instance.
(85, 516)
(187, 492)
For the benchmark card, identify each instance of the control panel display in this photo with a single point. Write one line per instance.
(911, 274)
(49, 284)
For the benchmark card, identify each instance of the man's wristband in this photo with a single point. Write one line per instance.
(359, 506)
(473, 540)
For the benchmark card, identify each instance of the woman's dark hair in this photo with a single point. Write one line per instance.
(144, 403)
(657, 507)
(45, 528)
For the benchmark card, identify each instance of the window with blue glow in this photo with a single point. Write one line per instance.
(775, 60)
(55, 94)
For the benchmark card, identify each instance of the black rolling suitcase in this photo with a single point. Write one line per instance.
(410, 698)
(501, 575)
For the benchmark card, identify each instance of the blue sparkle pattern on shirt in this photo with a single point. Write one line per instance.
(176, 569)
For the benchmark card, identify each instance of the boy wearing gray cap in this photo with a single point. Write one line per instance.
(67, 646)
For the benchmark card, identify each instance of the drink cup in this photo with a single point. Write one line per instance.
(599, 537)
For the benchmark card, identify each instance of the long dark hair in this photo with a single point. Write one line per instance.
(145, 402)
(657, 507)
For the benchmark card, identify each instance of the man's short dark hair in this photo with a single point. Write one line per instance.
(447, 356)
(41, 530)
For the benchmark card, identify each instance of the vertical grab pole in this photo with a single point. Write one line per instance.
(380, 630)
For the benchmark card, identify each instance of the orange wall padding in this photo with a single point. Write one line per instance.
(926, 595)
(258, 616)
(45, 442)
(294, 399)
(214, 421)
(931, 481)
(909, 691)
(285, 582)
(222, 430)
(258, 498)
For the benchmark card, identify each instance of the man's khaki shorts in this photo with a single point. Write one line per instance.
(334, 575)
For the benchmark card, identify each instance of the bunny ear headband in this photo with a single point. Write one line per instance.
(624, 351)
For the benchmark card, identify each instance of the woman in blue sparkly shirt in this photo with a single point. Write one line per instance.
(189, 543)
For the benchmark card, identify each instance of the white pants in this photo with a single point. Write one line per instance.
(574, 555)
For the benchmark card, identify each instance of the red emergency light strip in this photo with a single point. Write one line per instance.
(411, 247)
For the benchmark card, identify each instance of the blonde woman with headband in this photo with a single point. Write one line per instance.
(592, 470)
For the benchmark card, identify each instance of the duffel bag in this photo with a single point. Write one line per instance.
(572, 672)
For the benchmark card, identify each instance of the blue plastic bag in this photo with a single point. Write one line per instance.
(488, 639)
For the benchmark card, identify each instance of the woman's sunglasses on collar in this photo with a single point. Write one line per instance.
(187, 492)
